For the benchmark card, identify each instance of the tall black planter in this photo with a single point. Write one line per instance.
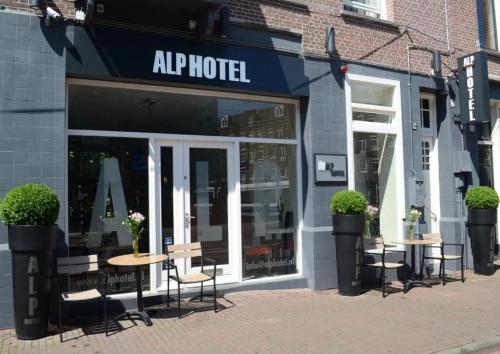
(482, 239)
(32, 248)
(348, 231)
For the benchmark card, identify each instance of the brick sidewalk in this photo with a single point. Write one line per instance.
(303, 321)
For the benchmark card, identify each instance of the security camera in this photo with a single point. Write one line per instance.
(52, 16)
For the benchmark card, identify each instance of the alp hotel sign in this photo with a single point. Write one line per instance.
(474, 88)
(197, 66)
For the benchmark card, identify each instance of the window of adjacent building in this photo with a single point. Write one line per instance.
(489, 23)
(426, 153)
(375, 150)
(371, 8)
(425, 113)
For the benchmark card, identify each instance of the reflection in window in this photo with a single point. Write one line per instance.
(268, 213)
(124, 109)
(375, 176)
(374, 94)
(371, 8)
(372, 117)
(107, 178)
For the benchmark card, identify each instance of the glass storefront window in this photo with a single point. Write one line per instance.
(120, 109)
(268, 210)
(107, 178)
(375, 175)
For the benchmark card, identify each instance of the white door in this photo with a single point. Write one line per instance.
(430, 169)
(198, 203)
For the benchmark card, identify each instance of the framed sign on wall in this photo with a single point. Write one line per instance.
(330, 169)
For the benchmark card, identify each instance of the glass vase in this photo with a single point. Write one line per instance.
(367, 230)
(135, 246)
(410, 231)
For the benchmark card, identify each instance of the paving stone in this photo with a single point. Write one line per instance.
(300, 321)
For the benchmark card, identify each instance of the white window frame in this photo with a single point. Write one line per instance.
(393, 128)
(494, 23)
(153, 164)
(381, 10)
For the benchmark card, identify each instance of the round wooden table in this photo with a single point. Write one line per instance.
(128, 260)
(413, 243)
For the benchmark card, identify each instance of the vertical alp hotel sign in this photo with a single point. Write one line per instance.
(474, 88)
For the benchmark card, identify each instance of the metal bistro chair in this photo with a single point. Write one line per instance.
(183, 251)
(442, 257)
(80, 265)
(375, 247)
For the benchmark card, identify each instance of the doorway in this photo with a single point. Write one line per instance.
(430, 163)
(198, 203)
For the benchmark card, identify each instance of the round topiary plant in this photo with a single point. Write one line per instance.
(481, 197)
(348, 202)
(29, 204)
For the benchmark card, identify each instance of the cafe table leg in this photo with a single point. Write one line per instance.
(139, 313)
(140, 301)
(413, 277)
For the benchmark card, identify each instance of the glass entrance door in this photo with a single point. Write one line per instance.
(206, 216)
(198, 204)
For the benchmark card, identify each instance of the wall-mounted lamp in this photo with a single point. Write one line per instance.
(330, 40)
(52, 17)
(224, 16)
(436, 62)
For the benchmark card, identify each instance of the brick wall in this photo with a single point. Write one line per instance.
(373, 42)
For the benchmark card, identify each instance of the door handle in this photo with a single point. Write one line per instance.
(187, 219)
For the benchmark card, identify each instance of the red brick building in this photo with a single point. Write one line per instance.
(232, 123)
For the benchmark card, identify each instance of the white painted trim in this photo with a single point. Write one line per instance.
(4, 246)
(236, 214)
(372, 80)
(370, 108)
(383, 10)
(369, 127)
(393, 128)
(298, 196)
(154, 242)
(179, 137)
(495, 149)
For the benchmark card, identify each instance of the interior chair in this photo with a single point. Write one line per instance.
(183, 251)
(80, 265)
(375, 247)
(442, 257)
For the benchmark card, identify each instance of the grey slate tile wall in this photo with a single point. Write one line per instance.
(32, 136)
(32, 119)
(325, 132)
